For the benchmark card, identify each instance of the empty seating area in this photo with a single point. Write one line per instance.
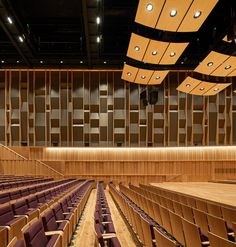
(149, 232)
(191, 221)
(43, 208)
(105, 234)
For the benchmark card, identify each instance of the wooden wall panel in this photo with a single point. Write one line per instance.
(70, 108)
(138, 165)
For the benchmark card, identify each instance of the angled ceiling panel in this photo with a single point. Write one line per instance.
(211, 63)
(188, 85)
(149, 18)
(169, 23)
(202, 88)
(129, 73)
(226, 68)
(173, 52)
(198, 87)
(143, 76)
(233, 73)
(158, 77)
(137, 47)
(217, 88)
(155, 51)
(199, 7)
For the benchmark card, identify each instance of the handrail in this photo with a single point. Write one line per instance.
(9, 149)
(37, 161)
(42, 163)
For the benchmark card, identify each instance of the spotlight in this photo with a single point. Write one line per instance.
(173, 12)
(149, 7)
(9, 20)
(137, 48)
(197, 14)
(210, 64)
(154, 53)
(188, 85)
(201, 88)
(228, 67)
(172, 54)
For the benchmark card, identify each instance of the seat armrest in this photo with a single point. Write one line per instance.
(108, 235)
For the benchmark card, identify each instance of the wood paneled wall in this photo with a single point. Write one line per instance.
(140, 165)
(97, 108)
(11, 163)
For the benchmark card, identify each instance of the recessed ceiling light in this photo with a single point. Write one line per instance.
(2, 61)
(61, 61)
(21, 39)
(154, 53)
(197, 14)
(157, 77)
(228, 67)
(129, 73)
(98, 39)
(143, 76)
(201, 88)
(105, 62)
(210, 64)
(216, 89)
(149, 7)
(173, 12)
(98, 20)
(81, 61)
(137, 48)
(188, 85)
(124, 62)
(18, 61)
(9, 20)
(172, 54)
(41, 61)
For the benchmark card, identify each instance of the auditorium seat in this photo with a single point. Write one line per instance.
(13, 223)
(33, 203)
(177, 227)
(162, 240)
(217, 241)
(60, 227)
(229, 215)
(201, 220)
(214, 209)
(193, 236)
(21, 208)
(35, 236)
(218, 226)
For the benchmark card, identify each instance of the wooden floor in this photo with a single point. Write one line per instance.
(217, 192)
(84, 235)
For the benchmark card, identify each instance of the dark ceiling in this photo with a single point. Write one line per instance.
(63, 33)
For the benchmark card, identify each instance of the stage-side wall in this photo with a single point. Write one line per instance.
(139, 165)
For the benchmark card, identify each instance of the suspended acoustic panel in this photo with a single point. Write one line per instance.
(233, 73)
(172, 15)
(158, 77)
(226, 68)
(129, 73)
(153, 51)
(148, 12)
(143, 76)
(137, 47)
(196, 15)
(198, 87)
(217, 64)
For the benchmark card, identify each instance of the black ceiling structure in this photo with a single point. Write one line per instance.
(65, 33)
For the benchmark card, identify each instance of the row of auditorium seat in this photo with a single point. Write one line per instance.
(14, 216)
(55, 226)
(104, 228)
(16, 193)
(149, 233)
(209, 216)
(6, 185)
(189, 225)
